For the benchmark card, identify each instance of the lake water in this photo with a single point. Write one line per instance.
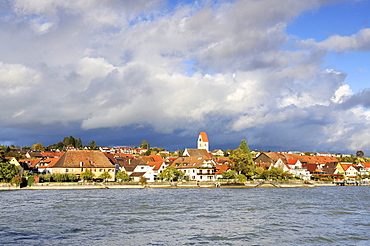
(259, 216)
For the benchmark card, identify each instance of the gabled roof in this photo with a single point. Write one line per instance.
(292, 161)
(346, 166)
(155, 164)
(131, 164)
(197, 152)
(83, 159)
(329, 167)
(311, 167)
(191, 162)
(204, 136)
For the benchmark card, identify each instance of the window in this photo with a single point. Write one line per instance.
(67, 170)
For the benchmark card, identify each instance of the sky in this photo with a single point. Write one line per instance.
(282, 74)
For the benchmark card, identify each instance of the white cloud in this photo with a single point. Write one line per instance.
(356, 42)
(107, 64)
(343, 93)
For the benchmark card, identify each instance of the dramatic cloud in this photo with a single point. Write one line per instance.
(228, 68)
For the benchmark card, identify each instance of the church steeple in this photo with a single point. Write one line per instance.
(203, 141)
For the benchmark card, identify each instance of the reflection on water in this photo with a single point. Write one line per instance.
(266, 216)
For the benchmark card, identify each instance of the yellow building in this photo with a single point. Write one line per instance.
(79, 161)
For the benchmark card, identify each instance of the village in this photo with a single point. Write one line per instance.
(129, 164)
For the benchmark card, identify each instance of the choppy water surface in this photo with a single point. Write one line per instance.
(263, 216)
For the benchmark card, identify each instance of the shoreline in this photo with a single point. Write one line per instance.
(173, 185)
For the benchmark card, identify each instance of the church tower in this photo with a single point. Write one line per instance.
(203, 141)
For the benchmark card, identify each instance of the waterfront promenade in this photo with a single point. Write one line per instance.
(132, 185)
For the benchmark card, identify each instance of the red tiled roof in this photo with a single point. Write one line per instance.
(346, 166)
(317, 159)
(221, 168)
(157, 158)
(155, 164)
(31, 162)
(366, 165)
(292, 161)
(48, 163)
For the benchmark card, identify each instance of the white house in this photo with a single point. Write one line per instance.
(199, 168)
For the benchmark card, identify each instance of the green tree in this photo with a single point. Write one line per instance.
(38, 147)
(72, 141)
(66, 141)
(245, 149)
(87, 175)
(171, 173)
(258, 171)
(105, 176)
(26, 148)
(79, 143)
(93, 145)
(145, 145)
(241, 162)
(7, 171)
(228, 152)
(229, 174)
(122, 175)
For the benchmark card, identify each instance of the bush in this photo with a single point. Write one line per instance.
(59, 177)
(46, 177)
(72, 177)
(122, 175)
(30, 181)
(241, 178)
(17, 180)
(142, 180)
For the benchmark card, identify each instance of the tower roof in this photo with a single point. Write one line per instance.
(204, 136)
